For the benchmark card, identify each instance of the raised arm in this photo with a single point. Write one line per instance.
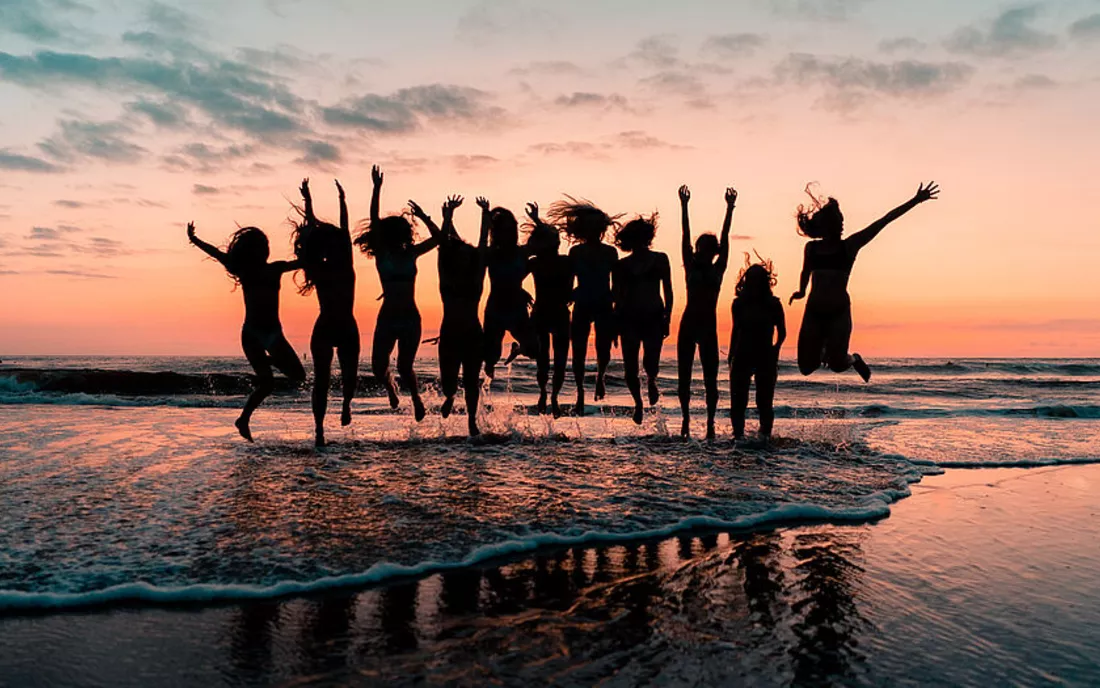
(780, 327)
(685, 223)
(666, 285)
(419, 214)
(863, 237)
(449, 231)
(307, 201)
(486, 223)
(376, 194)
(343, 207)
(724, 240)
(212, 251)
(804, 278)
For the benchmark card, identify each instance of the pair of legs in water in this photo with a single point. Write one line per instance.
(461, 344)
(552, 329)
(341, 335)
(264, 348)
(764, 367)
(400, 328)
(823, 341)
(511, 318)
(703, 335)
(645, 336)
(586, 318)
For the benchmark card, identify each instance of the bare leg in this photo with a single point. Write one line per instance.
(766, 374)
(543, 371)
(740, 377)
(581, 327)
(630, 346)
(651, 360)
(348, 353)
(605, 335)
(381, 350)
(561, 359)
(321, 349)
(283, 356)
(708, 354)
(685, 361)
(407, 346)
(471, 382)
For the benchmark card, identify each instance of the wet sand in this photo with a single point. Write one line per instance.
(982, 577)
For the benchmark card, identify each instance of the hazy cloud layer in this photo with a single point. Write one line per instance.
(1010, 34)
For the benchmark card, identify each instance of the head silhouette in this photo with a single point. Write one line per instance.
(504, 230)
(706, 248)
(637, 234)
(248, 248)
(821, 219)
(756, 279)
(582, 221)
(313, 242)
(543, 239)
(391, 234)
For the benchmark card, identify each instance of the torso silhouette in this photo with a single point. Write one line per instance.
(593, 264)
(553, 283)
(507, 270)
(260, 285)
(638, 278)
(830, 264)
(755, 320)
(461, 278)
(335, 280)
(397, 272)
(704, 283)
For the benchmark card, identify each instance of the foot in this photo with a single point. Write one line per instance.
(601, 389)
(654, 393)
(861, 367)
(637, 413)
(578, 406)
(554, 408)
(710, 432)
(542, 402)
(242, 427)
(472, 427)
(418, 409)
(685, 428)
(391, 391)
(345, 415)
(319, 438)
(513, 354)
(445, 409)
(490, 371)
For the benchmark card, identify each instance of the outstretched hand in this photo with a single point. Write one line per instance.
(304, 188)
(451, 203)
(533, 212)
(191, 231)
(685, 194)
(798, 295)
(376, 175)
(483, 203)
(417, 211)
(731, 196)
(927, 192)
(339, 189)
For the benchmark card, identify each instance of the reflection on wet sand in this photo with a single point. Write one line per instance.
(776, 606)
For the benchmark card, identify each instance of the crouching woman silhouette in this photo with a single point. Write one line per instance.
(245, 259)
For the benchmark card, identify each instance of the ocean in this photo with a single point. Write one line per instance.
(126, 486)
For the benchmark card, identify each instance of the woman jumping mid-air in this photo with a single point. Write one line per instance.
(643, 317)
(704, 268)
(553, 291)
(325, 254)
(245, 259)
(593, 261)
(827, 321)
(506, 307)
(759, 329)
(461, 281)
(389, 240)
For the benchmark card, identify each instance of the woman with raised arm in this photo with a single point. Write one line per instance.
(829, 257)
(593, 262)
(461, 281)
(506, 307)
(245, 259)
(389, 240)
(704, 268)
(643, 316)
(553, 291)
(759, 330)
(325, 254)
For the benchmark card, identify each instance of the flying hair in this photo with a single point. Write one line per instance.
(581, 220)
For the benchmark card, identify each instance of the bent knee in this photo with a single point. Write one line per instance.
(839, 364)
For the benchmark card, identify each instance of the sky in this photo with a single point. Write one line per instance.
(122, 121)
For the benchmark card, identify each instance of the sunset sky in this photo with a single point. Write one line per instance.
(124, 120)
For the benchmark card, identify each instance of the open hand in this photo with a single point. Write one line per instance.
(417, 210)
(796, 296)
(339, 189)
(304, 188)
(451, 203)
(483, 203)
(533, 212)
(191, 230)
(685, 194)
(376, 175)
(731, 196)
(927, 192)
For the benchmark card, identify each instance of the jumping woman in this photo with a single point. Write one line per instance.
(593, 262)
(506, 307)
(643, 317)
(759, 330)
(553, 275)
(245, 259)
(389, 240)
(325, 254)
(827, 321)
(704, 268)
(461, 281)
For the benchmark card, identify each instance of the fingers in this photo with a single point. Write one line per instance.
(685, 192)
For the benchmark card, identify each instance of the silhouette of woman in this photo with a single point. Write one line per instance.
(461, 281)
(757, 316)
(324, 251)
(245, 259)
(827, 322)
(506, 308)
(593, 262)
(643, 317)
(389, 240)
(703, 269)
(553, 275)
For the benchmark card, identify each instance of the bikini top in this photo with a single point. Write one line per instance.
(397, 267)
(841, 259)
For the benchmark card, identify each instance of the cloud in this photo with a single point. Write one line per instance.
(1034, 82)
(1086, 27)
(79, 139)
(164, 114)
(656, 51)
(637, 140)
(903, 44)
(549, 68)
(408, 109)
(319, 153)
(25, 163)
(850, 80)
(65, 203)
(681, 84)
(204, 190)
(470, 162)
(103, 247)
(818, 10)
(734, 45)
(633, 140)
(80, 274)
(581, 99)
(38, 20)
(1010, 34)
(491, 21)
(51, 233)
